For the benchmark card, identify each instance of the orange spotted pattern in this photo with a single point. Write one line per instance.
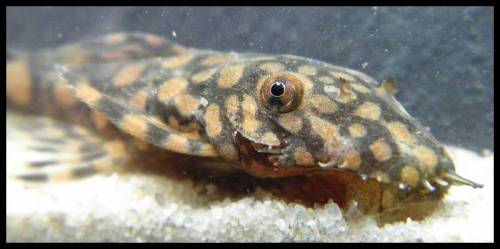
(271, 115)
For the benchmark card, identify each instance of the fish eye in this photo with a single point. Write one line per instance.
(281, 92)
(278, 88)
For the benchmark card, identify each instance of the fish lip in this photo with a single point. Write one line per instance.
(258, 149)
(273, 152)
(260, 164)
(241, 138)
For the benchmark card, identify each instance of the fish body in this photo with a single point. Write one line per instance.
(272, 116)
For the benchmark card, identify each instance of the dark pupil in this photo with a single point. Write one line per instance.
(278, 89)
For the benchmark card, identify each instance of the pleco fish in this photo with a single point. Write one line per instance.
(271, 116)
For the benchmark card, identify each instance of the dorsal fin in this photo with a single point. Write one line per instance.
(113, 48)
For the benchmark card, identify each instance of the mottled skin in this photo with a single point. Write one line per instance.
(223, 105)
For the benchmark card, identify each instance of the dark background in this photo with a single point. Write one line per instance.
(442, 57)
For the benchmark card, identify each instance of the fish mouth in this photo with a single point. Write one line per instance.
(264, 161)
